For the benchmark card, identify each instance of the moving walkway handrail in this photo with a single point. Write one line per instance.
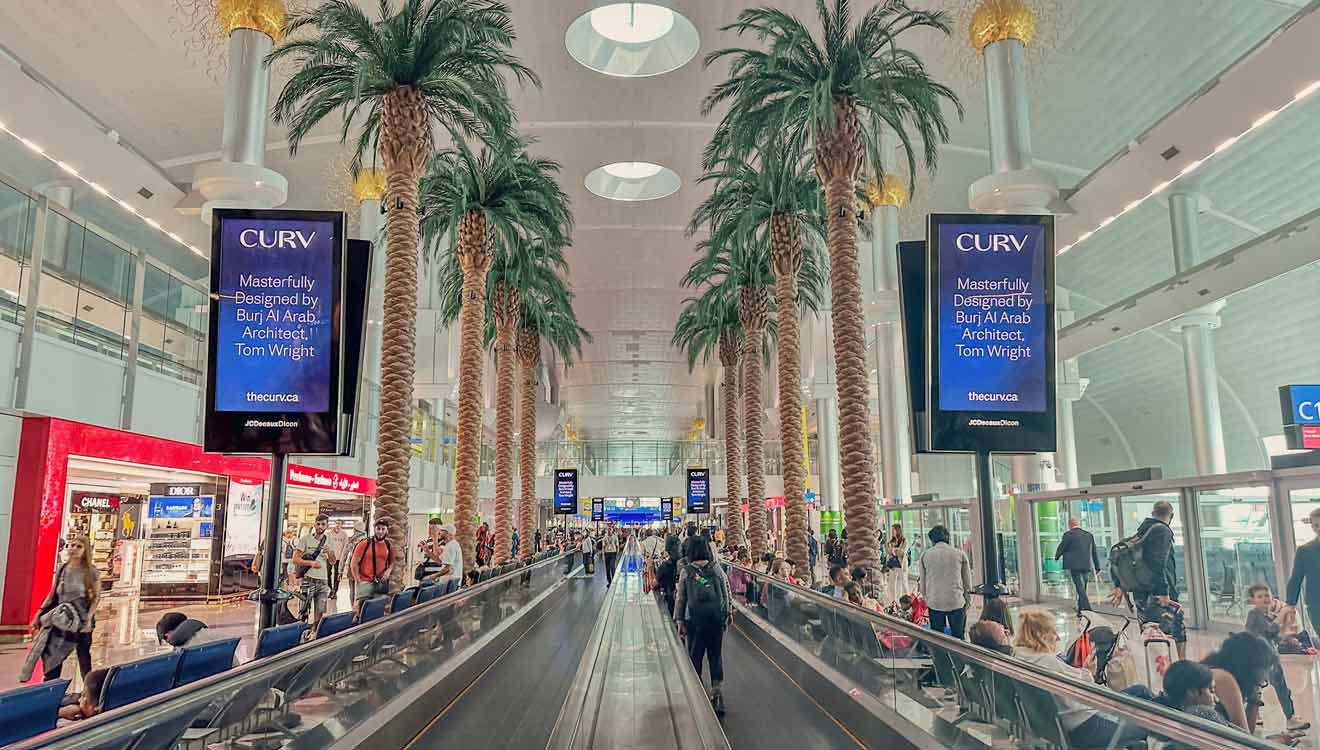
(105, 728)
(1155, 718)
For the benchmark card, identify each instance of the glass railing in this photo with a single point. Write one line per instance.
(650, 457)
(316, 693)
(950, 693)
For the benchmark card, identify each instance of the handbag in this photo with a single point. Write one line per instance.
(892, 563)
(301, 570)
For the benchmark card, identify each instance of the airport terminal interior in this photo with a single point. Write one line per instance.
(578, 374)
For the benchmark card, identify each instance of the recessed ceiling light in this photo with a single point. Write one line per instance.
(632, 23)
(632, 170)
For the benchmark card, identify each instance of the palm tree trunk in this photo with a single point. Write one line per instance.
(474, 255)
(837, 159)
(731, 358)
(753, 309)
(404, 145)
(786, 260)
(504, 309)
(529, 357)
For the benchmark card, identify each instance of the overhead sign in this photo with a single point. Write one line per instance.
(1300, 405)
(322, 479)
(698, 490)
(93, 502)
(566, 492)
(991, 333)
(274, 367)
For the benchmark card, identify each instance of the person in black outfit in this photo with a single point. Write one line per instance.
(1157, 598)
(686, 553)
(1080, 558)
(1306, 570)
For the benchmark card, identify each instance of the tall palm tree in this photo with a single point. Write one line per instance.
(774, 206)
(831, 94)
(546, 316)
(491, 205)
(709, 324)
(427, 64)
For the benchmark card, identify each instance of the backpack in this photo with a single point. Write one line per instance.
(1128, 568)
(705, 604)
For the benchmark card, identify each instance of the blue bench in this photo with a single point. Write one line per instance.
(373, 609)
(331, 624)
(450, 586)
(427, 593)
(127, 683)
(29, 711)
(200, 662)
(403, 600)
(277, 640)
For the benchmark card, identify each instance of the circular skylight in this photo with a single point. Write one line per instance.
(632, 170)
(633, 181)
(632, 23)
(632, 39)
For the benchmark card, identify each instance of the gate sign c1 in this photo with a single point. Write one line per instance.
(991, 371)
(1301, 415)
(698, 491)
(566, 492)
(273, 380)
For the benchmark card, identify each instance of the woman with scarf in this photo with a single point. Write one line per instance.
(64, 621)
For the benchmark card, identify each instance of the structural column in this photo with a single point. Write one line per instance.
(1198, 341)
(1069, 387)
(827, 438)
(240, 178)
(886, 194)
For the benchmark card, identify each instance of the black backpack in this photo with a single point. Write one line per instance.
(1128, 566)
(705, 604)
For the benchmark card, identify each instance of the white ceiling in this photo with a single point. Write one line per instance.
(1112, 69)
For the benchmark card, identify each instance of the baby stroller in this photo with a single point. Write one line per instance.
(1104, 652)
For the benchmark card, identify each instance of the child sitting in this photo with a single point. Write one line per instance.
(89, 701)
(1264, 620)
(913, 609)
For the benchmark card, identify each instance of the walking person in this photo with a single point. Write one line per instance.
(945, 582)
(66, 618)
(312, 558)
(338, 538)
(609, 545)
(373, 562)
(813, 554)
(896, 563)
(834, 554)
(703, 608)
(1305, 576)
(1080, 559)
(1155, 591)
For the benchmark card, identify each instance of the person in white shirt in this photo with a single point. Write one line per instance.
(609, 544)
(653, 545)
(313, 554)
(451, 556)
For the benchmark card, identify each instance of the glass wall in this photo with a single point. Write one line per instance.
(1096, 515)
(1237, 547)
(86, 287)
(1137, 508)
(1302, 502)
(17, 219)
(173, 334)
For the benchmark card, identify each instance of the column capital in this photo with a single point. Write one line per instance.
(1072, 391)
(1207, 316)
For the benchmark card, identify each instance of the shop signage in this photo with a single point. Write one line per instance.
(698, 490)
(566, 491)
(1300, 405)
(273, 380)
(991, 333)
(93, 502)
(182, 490)
(305, 476)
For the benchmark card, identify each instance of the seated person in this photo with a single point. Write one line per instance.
(1189, 687)
(1037, 642)
(180, 631)
(913, 609)
(995, 610)
(839, 580)
(89, 701)
(990, 635)
(854, 595)
(472, 577)
(1265, 620)
(1242, 663)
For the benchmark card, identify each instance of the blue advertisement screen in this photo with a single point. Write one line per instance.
(632, 509)
(159, 506)
(993, 319)
(698, 491)
(566, 491)
(275, 316)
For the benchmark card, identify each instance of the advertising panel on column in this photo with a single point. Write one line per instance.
(698, 491)
(273, 380)
(566, 492)
(991, 372)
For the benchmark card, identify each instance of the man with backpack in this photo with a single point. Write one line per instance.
(313, 556)
(373, 561)
(1142, 565)
(703, 608)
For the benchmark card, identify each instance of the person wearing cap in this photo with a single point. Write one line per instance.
(180, 631)
(451, 556)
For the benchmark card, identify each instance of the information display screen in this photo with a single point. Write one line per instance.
(666, 509)
(1301, 415)
(598, 509)
(698, 491)
(273, 381)
(566, 492)
(992, 333)
(632, 509)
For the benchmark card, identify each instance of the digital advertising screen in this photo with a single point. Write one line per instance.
(598, 509)
(698, 491)
(273, 380)
(632, 509)
(666, 509)
(912, 284)
(566, 492)
(357, 288)
(991, 333)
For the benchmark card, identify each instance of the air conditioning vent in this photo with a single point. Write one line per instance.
(1170, 152)
(145, 193)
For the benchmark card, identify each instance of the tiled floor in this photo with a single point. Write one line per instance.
(126, 630)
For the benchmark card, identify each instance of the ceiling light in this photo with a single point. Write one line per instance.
(632, 170)
(632, 23)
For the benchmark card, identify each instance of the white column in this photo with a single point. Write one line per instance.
(1198, 342)
(240, 178)
(827, 435)
(1069, 387)
(369, 226)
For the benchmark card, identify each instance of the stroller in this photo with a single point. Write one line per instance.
(1104, 652)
